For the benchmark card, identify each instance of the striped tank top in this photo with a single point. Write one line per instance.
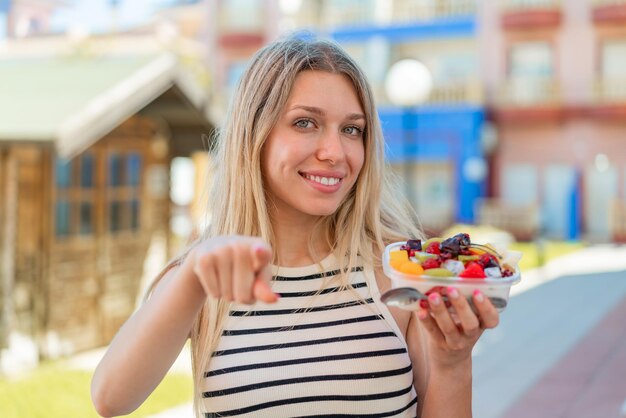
(335, 354)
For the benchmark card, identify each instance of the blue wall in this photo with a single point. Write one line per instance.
(451, 27)
(432, 133)
(436, 134)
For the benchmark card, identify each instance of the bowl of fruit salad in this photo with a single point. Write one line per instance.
(433, 265)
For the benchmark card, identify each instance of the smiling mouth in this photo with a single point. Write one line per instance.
(325, 181)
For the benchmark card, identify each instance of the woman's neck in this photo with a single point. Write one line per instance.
(292, 239)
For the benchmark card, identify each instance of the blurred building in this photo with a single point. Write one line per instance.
(89, 128)
(440, 145)
(22, 18)
(555, 76)
(442, 139)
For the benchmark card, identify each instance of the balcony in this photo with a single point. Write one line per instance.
(521, 221)
(241, 27)
(460, 93)
(400, 12)
(609, 96)
(610, 90)
(609, 11)
(412, 11)
(529, 92)
(528, 99)
(531, 14)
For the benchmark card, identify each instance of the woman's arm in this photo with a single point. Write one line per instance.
(228, 268)
(147, 344)
(440, 346)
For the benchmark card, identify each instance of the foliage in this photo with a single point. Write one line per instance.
(539, 253)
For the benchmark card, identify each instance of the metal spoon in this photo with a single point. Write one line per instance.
(408, 298)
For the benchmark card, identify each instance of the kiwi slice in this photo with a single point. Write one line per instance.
(468, 257)
(426, 243)
(438, 272)
(422, 256)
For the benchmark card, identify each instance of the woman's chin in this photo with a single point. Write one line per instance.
(322, 210)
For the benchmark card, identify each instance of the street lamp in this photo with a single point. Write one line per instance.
(408, 84)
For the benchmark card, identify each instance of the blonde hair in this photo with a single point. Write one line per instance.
(372, 215)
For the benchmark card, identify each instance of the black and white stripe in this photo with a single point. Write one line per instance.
(332, 353)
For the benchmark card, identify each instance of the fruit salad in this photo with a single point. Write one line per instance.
(435, 264)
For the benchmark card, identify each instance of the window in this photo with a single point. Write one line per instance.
(74, 185)
(519, 185)
(531, 60)
(62, 218)
(242, 15)
(531, 71)
(612, 60)
(63, 174)
(123, 191)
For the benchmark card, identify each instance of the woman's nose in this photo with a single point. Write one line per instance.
(331, 148)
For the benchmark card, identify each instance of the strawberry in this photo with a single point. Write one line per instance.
(433, 248)
(473, 270)
(431, 263)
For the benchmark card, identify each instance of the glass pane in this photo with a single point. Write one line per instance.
(614, 58)
(134, 215)
(86, 218)
(115, 216)
(62, 218)
(241, 14)
(133, 169)
(531, 59)
(520, 185)
(115, 174)
(63, 173)
(86, 171)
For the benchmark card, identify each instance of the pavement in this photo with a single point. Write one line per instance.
(560, 348)
(559, 351)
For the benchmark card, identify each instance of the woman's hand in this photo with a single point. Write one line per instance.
(452, 335)
(234, 268)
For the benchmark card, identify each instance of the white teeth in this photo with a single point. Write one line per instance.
(327, 181)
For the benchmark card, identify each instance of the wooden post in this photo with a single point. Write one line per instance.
(7, 270)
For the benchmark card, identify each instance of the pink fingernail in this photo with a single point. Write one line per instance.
(434, 299)
(421, 314)
(453, 293)
(479, 296)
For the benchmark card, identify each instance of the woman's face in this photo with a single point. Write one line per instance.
(314, 154)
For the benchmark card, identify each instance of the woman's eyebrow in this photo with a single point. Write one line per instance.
(355, 116)
(321, 112)
(311, 109)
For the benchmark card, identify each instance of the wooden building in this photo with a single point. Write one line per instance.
(85, 151)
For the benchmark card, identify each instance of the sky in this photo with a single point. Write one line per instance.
(97, 15)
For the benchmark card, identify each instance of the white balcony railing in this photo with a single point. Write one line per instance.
(411, 10)
(387, 12)
(521, 221)
(469, 92)
(522, 5)
(602, 3)
(610, 90)
(529, 92)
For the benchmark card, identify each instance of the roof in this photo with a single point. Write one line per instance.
(74, 101)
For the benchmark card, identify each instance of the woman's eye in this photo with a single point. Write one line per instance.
(303, 123)
(353, 130)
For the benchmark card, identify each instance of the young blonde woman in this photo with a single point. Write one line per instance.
(280, 296)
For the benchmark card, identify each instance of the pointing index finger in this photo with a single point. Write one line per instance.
(261, 256)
